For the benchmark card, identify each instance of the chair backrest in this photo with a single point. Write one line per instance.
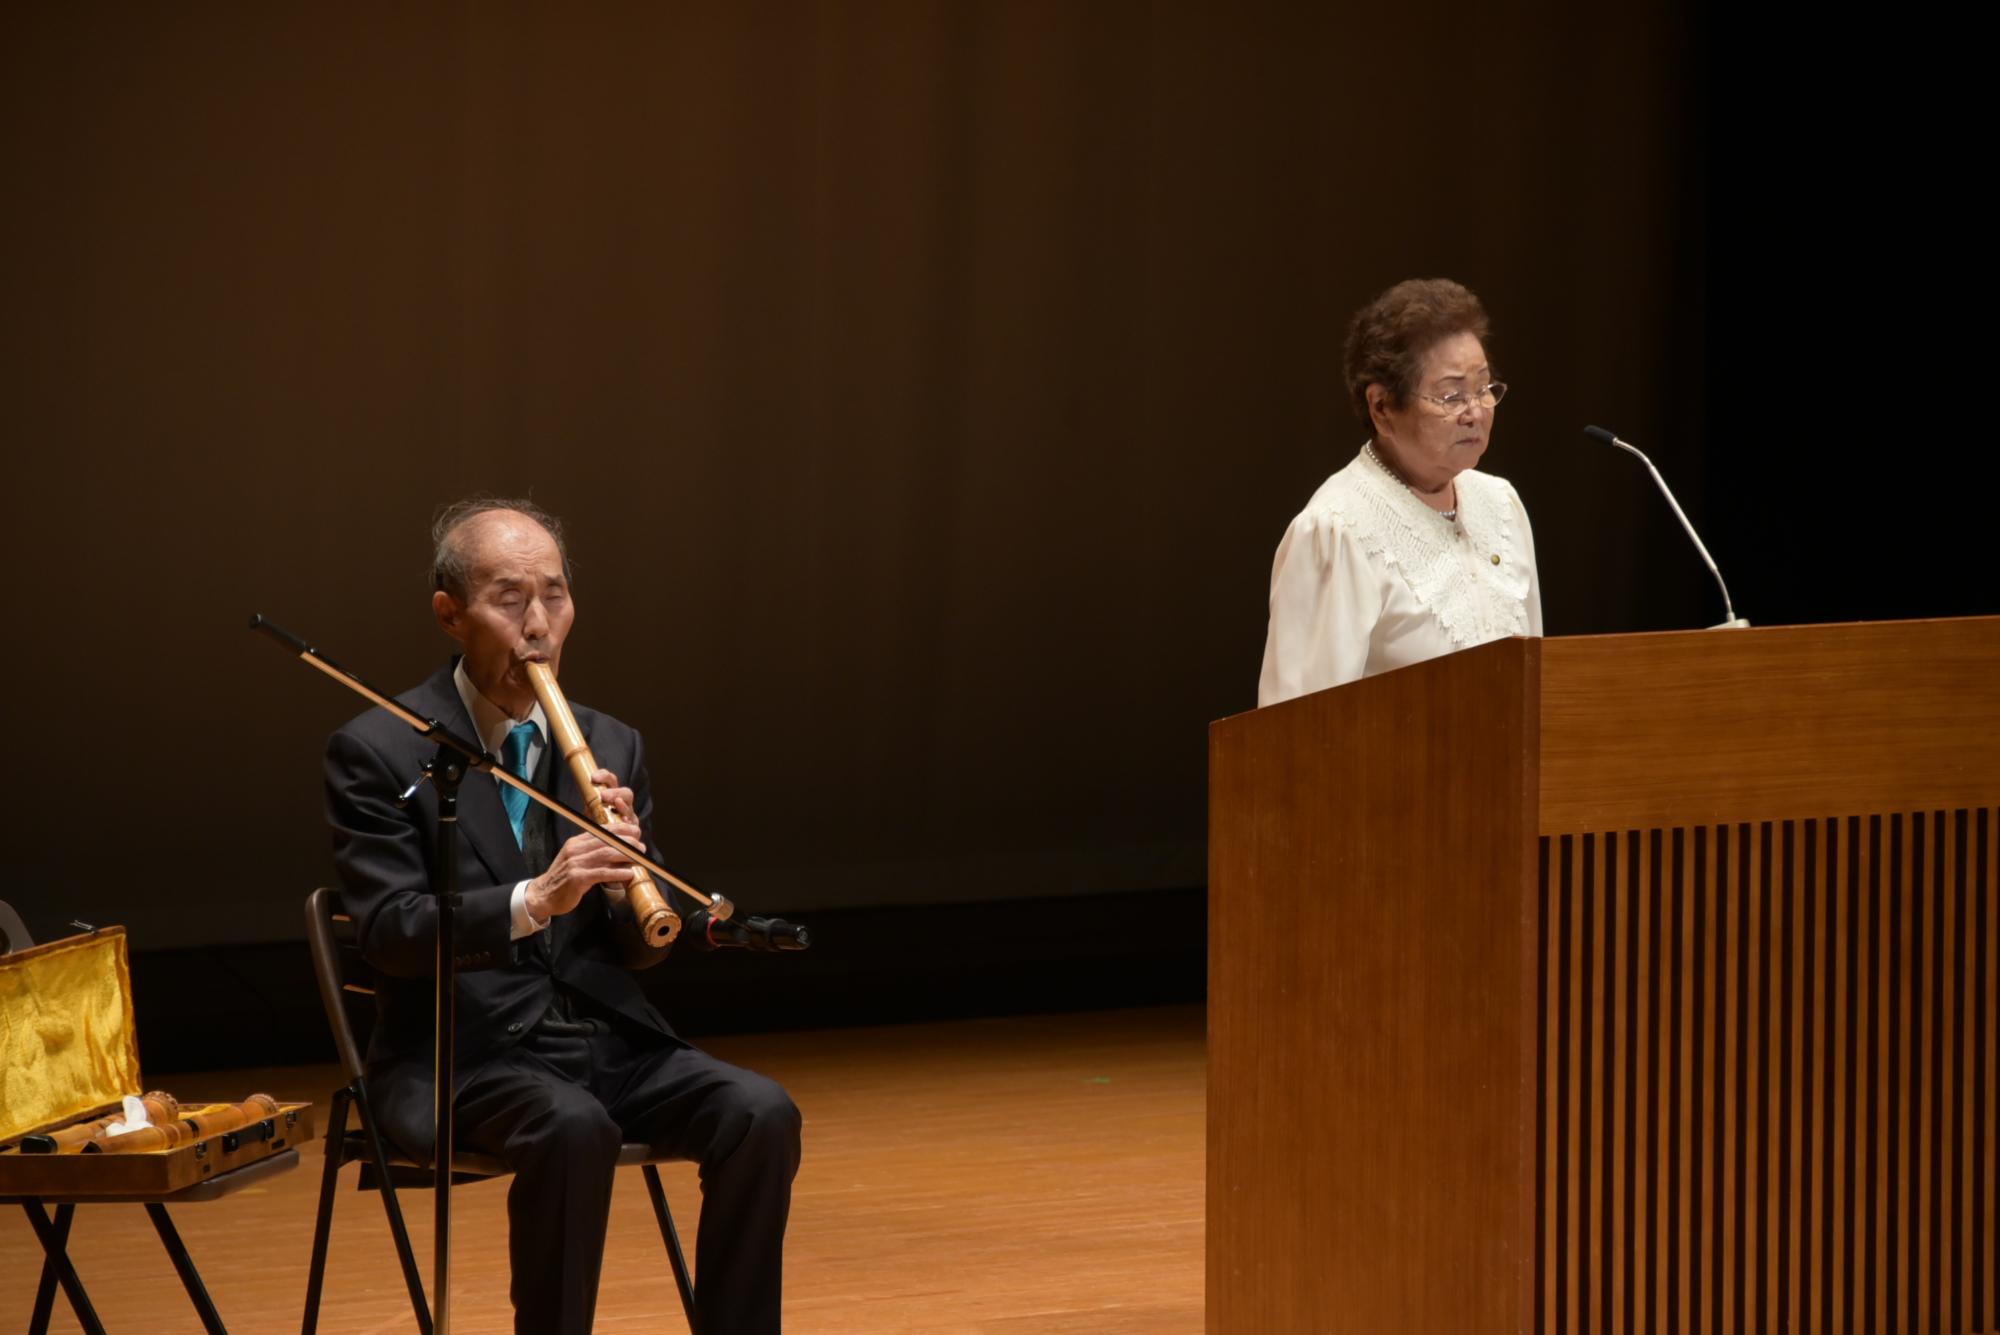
(344, 992)
(13, 932)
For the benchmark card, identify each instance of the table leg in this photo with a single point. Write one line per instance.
(45, 1292)
(170, 1237)
(55, 1246)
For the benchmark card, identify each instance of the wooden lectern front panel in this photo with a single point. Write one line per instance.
(1370, 988)
(1767, 1077)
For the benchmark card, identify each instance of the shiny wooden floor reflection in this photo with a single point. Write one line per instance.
(1021, 1175)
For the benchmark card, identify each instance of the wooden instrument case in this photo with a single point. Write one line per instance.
(69, 1053)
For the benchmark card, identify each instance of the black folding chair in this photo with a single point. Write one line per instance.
(349, 1003)
(13, 932)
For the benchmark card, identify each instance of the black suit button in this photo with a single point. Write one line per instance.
(514, 1028)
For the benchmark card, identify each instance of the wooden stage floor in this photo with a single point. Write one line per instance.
(1032, 1175)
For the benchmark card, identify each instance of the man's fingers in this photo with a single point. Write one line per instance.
(610, 867)
(584, 843)
(618, 799)
(589, 857)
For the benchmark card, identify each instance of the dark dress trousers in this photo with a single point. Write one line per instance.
(560, 1056)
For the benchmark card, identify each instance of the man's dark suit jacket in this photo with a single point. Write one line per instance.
(387, 861)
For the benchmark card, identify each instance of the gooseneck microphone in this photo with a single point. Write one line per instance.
(1603, 437)
(715, 933)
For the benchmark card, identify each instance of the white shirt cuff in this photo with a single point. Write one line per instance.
(525, 923)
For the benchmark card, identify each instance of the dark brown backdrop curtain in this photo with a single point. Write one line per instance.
(926, 386)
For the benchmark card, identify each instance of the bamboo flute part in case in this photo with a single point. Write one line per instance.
(652, 919)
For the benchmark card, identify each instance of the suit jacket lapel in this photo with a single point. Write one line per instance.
(481, 818)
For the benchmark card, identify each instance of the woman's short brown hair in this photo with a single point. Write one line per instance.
(1389, 337)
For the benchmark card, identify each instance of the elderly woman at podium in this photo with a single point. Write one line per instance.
(1409, 552)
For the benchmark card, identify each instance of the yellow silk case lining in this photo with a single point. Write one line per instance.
(68, 1046)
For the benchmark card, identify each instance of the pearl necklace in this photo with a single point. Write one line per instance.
(1450, 515)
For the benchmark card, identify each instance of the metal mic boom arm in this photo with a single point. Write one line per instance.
(476, 758)
(1603, 437)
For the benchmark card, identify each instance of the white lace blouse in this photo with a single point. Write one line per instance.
(1369, 578)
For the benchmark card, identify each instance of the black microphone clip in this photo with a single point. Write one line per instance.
(748, 933)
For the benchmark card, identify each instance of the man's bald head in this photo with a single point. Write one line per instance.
(453, 533)
(503, 593)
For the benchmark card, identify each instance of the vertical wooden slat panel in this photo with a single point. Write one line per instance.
(1785, 1062)
(1647, 1058)
(1661, 1135)
(1987, 1078)
(1617, 936)
(1720, 1157)
(1680, 1115)
(1930, 1123)
(1984, 1244)
(1736, 852)
(1901, 1111)
(1965, 1128)
(1895, 1045)
(1769, 1053)
(1703, 973)
(1916, 1162)
(1813, 1031)
(1545, 1157)
(1570, 1231)
(1923, 978)
(1949, 1172)
(1760, 1169)
(1957, 1277)
(1948, 1163)
(1836, 1250)
(1590, 1105)
(1986, 1214)
(1559, 1095)
(1635, 1058)
(1875, 1116)
(1864, 1093)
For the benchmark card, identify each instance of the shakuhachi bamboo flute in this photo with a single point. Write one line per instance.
(169, 1135)
(656, 922)
(219, 1117)
(160, 1107)
(190, 1125)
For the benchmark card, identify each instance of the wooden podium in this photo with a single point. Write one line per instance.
(1620, 983)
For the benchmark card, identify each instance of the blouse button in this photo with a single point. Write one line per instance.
(1496, 558)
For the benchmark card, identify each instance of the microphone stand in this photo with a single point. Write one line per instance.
(445, 771)
(1603, 437)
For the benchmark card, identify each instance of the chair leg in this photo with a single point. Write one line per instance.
(673, 1241)
(197, 1292)
(329, 1182)
(55, 1248)
(393, 1208)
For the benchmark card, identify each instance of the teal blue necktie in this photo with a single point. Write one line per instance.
(514, 755)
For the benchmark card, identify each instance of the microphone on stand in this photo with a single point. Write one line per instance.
(747, 933)
(1603, 437)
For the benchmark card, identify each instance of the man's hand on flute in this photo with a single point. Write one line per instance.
(584, 861)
